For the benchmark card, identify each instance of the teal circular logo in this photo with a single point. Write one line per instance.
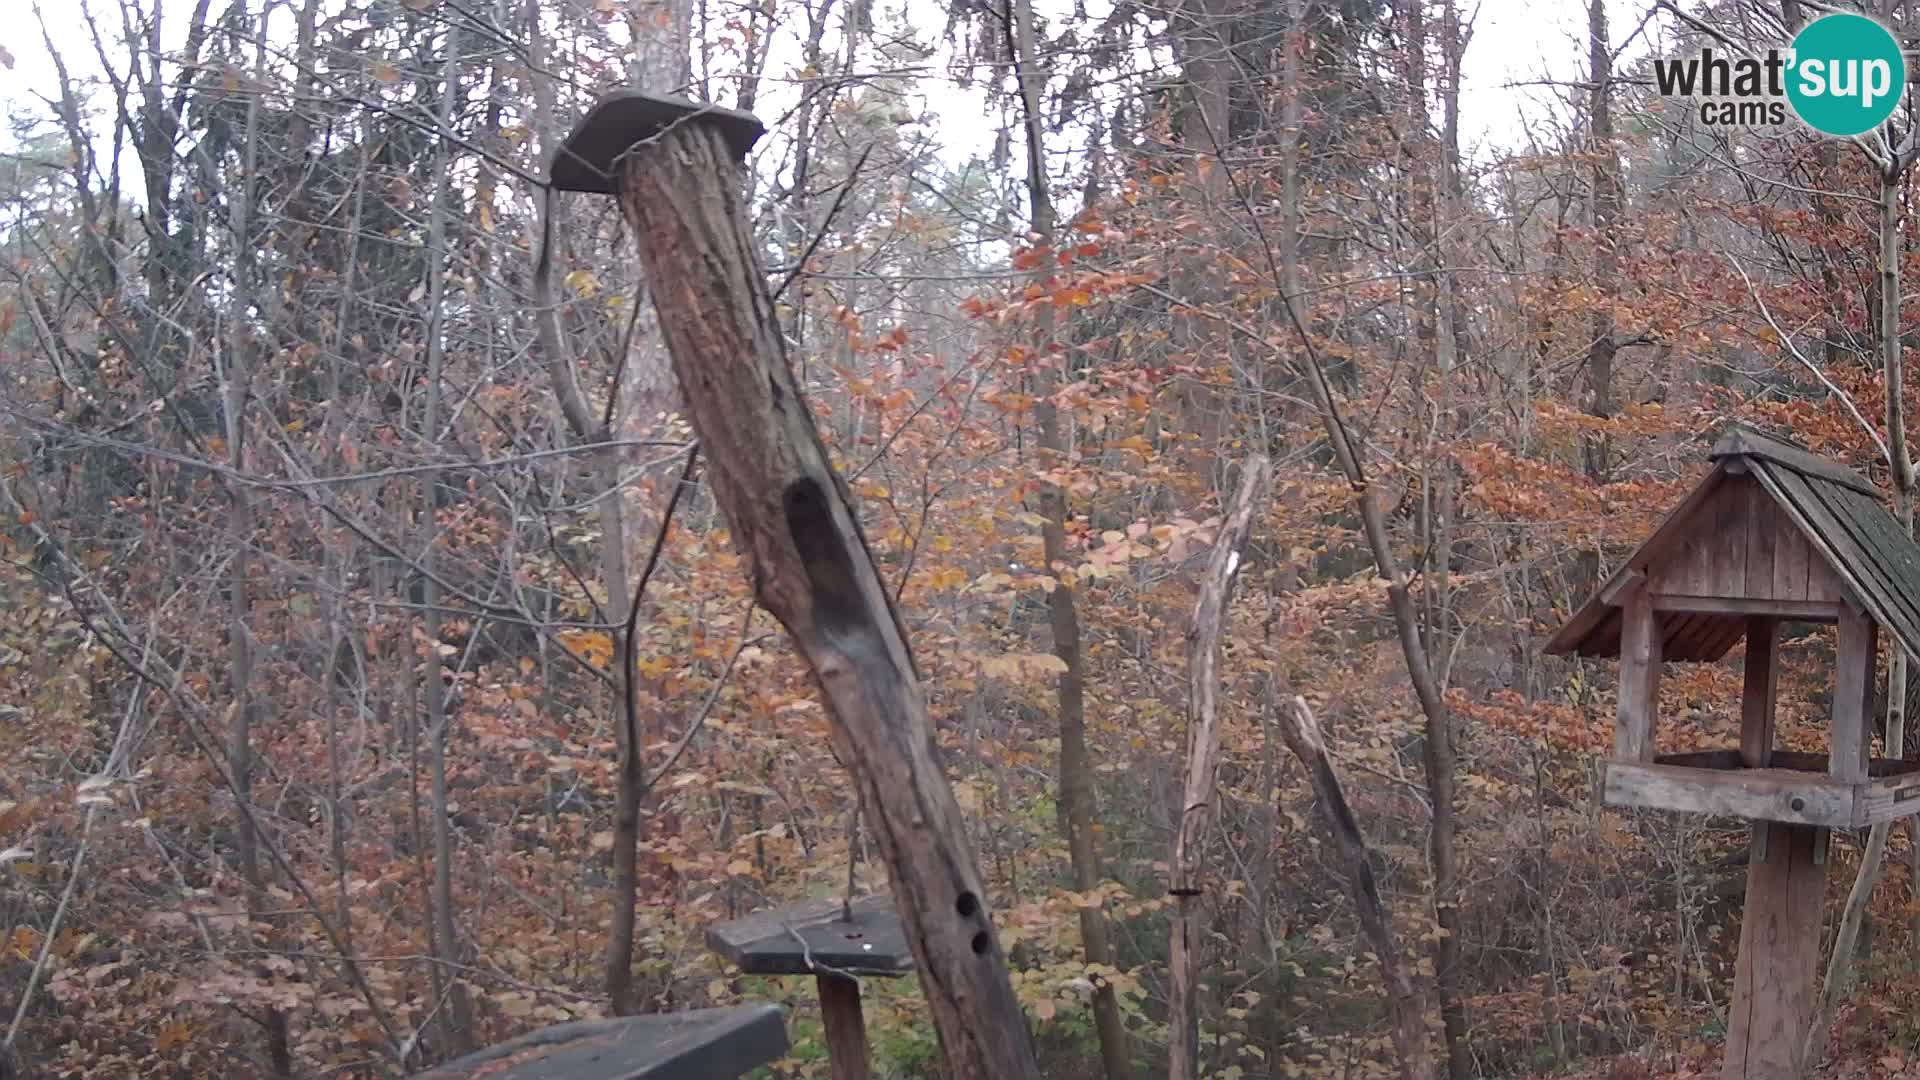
(1846, 74)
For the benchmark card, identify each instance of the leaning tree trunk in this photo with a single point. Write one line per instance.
(793, 520)
(1404, 1005)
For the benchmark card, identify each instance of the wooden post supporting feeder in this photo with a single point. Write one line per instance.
(1773, 534)
(674, 165)
(836, 943)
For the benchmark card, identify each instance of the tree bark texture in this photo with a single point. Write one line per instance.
(1404, 1004)
(1203, 761)
(793, 521)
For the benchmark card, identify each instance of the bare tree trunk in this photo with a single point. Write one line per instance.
(458, 1022)
(1606, 210)
(1408, 1011)
(1203, 759)
(615, 571)
(794, 521)
(1839, 974)
(1076, 770)
(239, 377)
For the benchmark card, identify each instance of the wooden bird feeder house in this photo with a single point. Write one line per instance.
(837, 943)
(1773, 535)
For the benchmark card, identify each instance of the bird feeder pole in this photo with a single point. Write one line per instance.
(675, 167)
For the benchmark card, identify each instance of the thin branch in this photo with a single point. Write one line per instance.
(1787, 340)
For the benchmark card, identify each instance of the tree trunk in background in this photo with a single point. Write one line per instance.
(239, 379)
(1206, 64)
(457, 1021)
(1438, 756)
(1839, 974)
(1197, 814)
(1606, 279)
(1076, 770)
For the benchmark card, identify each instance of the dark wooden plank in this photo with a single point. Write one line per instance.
(1730, 632)
(590, 159)
(701, 1044)
(1802, 761)
(1761, 530)
(1758, 686)
(806, 938)
(1640, 660)
(1774, 979)
(1676, 629)
(1711, 637)
(1750, 443)
(1702, 759)
(1851, 737)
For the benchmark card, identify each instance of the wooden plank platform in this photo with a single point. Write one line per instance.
(1794, 788)
(813, 938)
(699, 1044)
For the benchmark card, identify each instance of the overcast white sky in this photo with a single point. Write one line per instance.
(1514, 42)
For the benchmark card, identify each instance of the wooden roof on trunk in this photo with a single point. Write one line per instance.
(1793, 501)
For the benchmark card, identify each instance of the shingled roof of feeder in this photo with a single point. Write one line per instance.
(1836, 509)
(588, 160)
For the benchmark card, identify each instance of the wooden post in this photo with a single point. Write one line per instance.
(1773, 984)
(1639, 677)
(1185, 928)
(1852, 738)
(677, 167)
(848, 1056)
(1757, 692)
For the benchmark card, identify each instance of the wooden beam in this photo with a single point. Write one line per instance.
(1755, 794)
(1639, 678)
(848, 1057)
(1801, 610)
(1852, 735)
(1757, 691)
(1773, 982)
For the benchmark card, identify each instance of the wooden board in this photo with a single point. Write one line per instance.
(1716, 782)
(1774, 980)
(1640, 661)
(812, 937)
(1850, 736)
(700, 1044)
(1770, 794)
